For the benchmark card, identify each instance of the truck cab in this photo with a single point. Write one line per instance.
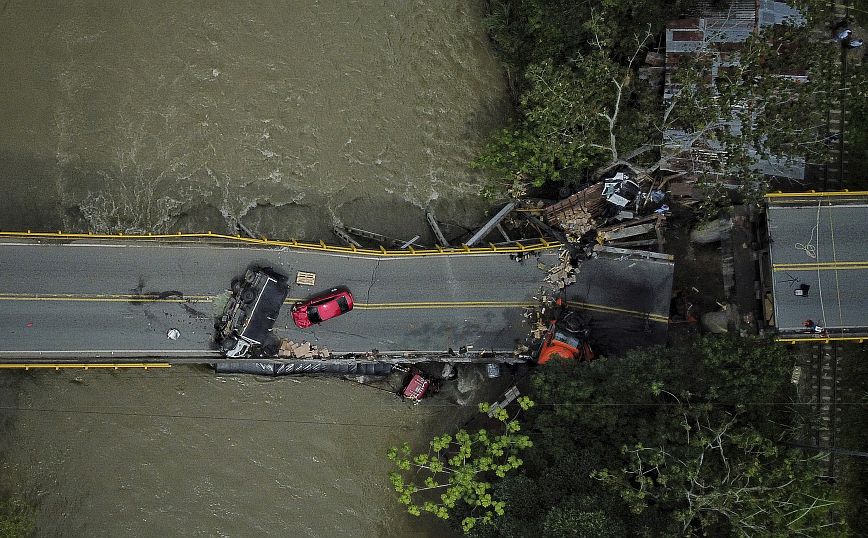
(251, 311)
(565, 340)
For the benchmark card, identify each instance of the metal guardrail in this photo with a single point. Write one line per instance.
(86, 366)
(822, 339)
(518, 247)
(814, 194)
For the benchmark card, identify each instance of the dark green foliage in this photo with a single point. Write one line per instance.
(621, 444)
(567, 62)
(573, 67)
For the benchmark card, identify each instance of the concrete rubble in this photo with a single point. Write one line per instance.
(304, 350)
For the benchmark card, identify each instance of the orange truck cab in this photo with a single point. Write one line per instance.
(562, 343)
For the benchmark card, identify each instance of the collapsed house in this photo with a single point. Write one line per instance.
(718, 35)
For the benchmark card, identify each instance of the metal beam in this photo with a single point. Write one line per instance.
(491, 224)
(560, 236)
(345, 237)
(436, 229)
(379, 238)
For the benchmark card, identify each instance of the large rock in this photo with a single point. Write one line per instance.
(711, 232)
(470, 377)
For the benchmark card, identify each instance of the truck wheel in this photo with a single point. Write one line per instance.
(248, 296)
(249, 276)
(236, 286)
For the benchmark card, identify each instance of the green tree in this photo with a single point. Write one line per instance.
(456, 474)
(724, 475)
(666, 441)
(580, 106)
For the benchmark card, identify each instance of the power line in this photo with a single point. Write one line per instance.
(199, 417)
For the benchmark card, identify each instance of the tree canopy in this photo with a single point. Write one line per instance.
(580, 104)
(685, 440)
(670, 441)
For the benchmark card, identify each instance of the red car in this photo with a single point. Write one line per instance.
(326, 305)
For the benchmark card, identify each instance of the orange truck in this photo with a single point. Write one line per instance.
(565, 340)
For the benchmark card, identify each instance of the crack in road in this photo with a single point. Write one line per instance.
(371, 285)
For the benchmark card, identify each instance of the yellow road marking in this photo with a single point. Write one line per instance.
(105, 298)
(453, 304)
(85, 365)
(417, 305)
(824, 266)
(822, 339)
(615, 310)
(543, 244)
(815, 194)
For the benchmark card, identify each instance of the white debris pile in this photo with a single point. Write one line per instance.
(563, 273)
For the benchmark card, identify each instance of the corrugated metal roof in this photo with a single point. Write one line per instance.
(719, 31)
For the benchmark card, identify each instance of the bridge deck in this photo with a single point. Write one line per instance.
(91, 300)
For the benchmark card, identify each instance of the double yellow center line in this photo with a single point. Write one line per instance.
(820, 266)
(615, 310)
(414, 305)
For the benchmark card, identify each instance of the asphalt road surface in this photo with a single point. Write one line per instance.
(84, 300)
(820, 246)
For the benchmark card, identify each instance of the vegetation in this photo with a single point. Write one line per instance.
(580, 104)
(674, 441)
(852, 472)
(455, 475)
(17, 518)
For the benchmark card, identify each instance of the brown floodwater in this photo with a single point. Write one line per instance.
(290, 117)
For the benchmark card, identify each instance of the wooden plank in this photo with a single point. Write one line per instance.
(373, 236)
(629, 252)
(305, 279)
(640, 220)
(628, 231)
(641, 243)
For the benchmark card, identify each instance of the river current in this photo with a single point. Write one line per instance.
(289, 117)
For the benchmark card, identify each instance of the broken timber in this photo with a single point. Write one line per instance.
(627, 231)
(629, 252)
(247, 231)
(441, 239)
(546, 228)
(379, 238)
(491, 224)
(345, 237)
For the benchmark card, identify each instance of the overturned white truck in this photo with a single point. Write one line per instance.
(251, 312)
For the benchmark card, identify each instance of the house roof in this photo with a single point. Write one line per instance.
(719, 32)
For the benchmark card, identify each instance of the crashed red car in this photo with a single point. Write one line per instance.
(327, 305)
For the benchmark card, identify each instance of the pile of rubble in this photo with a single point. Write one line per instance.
(305, 350)
(563, 273)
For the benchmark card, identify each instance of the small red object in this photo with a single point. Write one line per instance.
(416, 388)
(29, 324)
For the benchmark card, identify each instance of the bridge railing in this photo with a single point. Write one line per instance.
(516, 247)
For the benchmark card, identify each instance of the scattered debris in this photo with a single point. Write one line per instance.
(304, 350)
(173, 334)
(305, 279)
(508, 397)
